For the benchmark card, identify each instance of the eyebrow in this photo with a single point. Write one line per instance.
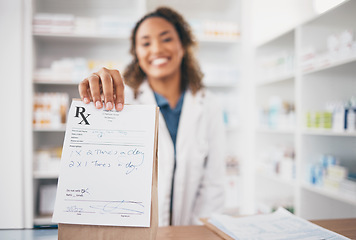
(161, 34)
(165, 32)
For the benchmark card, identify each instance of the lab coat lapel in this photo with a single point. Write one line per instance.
(190, 118)
(191, 113)
(146, 95)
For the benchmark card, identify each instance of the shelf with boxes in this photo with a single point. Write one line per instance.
(348, 62)
(275, 84)
(327, 139)
(337, 195)
(274, 131)
(275, 125)
(331, 179)
(338, 117)
(328, 167)
(55, 82)
(321, 86)
(276, 109)
(277, 163)
(275, 60)
(69, 40)
(275, 176)
(326, 132)
(79, 37)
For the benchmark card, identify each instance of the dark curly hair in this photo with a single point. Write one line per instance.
(191, 75)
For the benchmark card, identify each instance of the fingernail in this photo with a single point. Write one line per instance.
(108, 106)
(119, 106)
(86, 100)
(98, 104)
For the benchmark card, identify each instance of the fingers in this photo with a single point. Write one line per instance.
(83, 88)
(95, 89)
(107, 88)
(118, 88)
(105, 85)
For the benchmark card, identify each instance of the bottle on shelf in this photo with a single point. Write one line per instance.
(49, 110)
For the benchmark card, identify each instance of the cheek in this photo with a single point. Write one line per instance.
(140, 56)
(180, 52)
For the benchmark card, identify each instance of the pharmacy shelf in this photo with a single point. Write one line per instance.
(80, 36)
(275, 131)
(271, 81)
(311, 89)
(64, 82)
(337, 195)
(323, 132)
(42, 49)
(218, 40)
(345, 63)
(88, 36)
(49, 129)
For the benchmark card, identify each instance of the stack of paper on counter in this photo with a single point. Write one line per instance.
(277, 226)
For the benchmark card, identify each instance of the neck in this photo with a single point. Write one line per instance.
(167, 87)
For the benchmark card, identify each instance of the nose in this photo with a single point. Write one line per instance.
(156, 47)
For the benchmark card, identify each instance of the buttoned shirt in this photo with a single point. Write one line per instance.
(171, 116)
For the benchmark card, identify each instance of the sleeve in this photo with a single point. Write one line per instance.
(211, 197)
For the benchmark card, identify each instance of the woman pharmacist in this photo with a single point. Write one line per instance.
(191, 133)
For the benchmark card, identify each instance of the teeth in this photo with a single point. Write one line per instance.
(159, 61)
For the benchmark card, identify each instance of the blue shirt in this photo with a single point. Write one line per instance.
(171, 116)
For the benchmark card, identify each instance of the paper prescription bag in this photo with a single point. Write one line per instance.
(104, 232)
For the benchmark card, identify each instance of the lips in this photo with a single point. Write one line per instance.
(159, 61)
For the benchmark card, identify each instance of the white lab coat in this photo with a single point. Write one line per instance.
(200, 156)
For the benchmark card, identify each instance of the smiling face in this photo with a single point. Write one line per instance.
(158, 48)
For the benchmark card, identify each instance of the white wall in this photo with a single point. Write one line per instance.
(273, 17)
(11, 143)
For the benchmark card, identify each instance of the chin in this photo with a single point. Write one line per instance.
(160, 74)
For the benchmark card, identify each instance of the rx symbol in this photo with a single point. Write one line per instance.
(80, 113)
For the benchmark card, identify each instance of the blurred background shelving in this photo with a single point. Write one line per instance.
(69, 40)
(275, 125)
(305, 86)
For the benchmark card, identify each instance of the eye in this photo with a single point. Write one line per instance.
(146, 44)
(167, 39)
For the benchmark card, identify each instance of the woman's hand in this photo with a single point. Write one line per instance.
(105, 85)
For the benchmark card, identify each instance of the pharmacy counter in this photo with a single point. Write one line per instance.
(346, 227)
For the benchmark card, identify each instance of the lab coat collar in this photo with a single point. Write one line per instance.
(146, 95)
